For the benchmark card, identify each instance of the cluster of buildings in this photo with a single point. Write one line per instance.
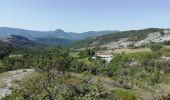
(105, 55)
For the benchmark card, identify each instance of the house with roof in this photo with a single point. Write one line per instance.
(105, 55)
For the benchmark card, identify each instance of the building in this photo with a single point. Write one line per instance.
(105, 55)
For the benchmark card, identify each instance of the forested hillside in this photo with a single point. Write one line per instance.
(65, 74)
(59, 33)
(133, 35)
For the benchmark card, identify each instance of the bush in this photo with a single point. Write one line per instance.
(77, 66)
(156, 47)
(124, 95)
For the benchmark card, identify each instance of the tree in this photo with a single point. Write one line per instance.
(132, 46)
(86, 53)
(155, 47)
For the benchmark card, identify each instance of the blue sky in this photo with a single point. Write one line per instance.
(84, 15)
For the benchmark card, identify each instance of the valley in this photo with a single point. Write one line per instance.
(84, 50)
(135, 72)
(56, 37)
(126, 39)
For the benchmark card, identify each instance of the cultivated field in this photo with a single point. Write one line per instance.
(125, 50)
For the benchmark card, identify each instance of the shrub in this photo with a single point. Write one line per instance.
(124, 95)
(156, 47)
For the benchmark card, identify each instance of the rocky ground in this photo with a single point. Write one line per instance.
(152, 37)
(7, 80)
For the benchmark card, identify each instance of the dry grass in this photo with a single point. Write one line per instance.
(167, 46)
(126, 50)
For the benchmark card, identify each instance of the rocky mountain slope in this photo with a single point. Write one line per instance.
(126, 38)
(156, 37)
(16, 40)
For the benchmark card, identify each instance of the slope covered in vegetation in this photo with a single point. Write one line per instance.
(64, 74)
(133, 35)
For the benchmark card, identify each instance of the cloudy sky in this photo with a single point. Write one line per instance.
(84, 15)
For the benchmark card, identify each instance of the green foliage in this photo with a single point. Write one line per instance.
(47, 87)
(133, 35)
(124, 95)
(74, 54)
(143, 55)
(132, 46)
(165, 52)
(5, 50)
(86, 53)
(77, 66)
(141, 69)
(156, 47)
(33, 58)
(57, 85)
(118, 62)
(166, 42)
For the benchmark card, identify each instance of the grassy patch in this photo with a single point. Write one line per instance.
(140, 55)
(131, 50)
(124, 95)
(86, 61)
(167, 80)
(32, 75)
(165, 53)
(74, 54)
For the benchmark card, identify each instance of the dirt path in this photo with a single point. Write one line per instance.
(8, 78)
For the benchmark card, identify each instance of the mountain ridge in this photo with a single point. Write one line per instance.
(59, 33)
(126, 38)
(16, 40)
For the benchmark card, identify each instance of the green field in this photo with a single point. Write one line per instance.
(125, 50)
(74, 54)
(140, 55)
(86, 61)
(121, 94)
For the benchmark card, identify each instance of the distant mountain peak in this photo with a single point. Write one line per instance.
(58, 33)
(60, 30)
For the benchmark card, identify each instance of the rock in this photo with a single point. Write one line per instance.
(4, 92)
(10, 77)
